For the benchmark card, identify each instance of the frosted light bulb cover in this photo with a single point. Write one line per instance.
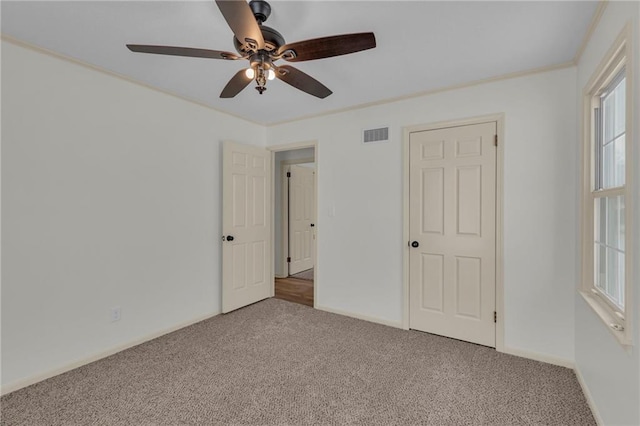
(250, 73)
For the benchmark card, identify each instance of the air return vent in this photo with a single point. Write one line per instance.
(381, 134)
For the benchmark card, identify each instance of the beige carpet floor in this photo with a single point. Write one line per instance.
(280, 363)
(304, 275)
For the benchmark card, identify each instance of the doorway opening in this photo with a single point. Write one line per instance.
(295, 224)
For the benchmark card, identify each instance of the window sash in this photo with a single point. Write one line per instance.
(615, 309)
(609, 257)
(600, 140)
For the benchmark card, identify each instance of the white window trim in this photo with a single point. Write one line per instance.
(618, 56)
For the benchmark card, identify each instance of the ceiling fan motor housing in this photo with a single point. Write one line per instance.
(272, 40)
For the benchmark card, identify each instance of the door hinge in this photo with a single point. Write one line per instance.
(288, 260)
(495, 141)
(495, 316)
(288, 174)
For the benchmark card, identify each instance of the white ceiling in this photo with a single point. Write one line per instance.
(421, 45)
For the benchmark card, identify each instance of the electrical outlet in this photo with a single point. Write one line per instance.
(115, 314)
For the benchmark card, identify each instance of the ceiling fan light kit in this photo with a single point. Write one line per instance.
(262, 46)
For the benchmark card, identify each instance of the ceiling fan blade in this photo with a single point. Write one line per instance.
(182, 51)
(236, 84)
(326, 47)
(302, 81)
(240, 18)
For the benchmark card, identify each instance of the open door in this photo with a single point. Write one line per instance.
(246, 225)
(301, 218)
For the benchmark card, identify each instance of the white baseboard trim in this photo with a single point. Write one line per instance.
(280, 276)
(395, 324)
(22, 383)
(549, 359)
(588, 397)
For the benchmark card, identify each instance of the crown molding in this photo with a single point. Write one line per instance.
(508, 76)
(595, 20)
(38, 49)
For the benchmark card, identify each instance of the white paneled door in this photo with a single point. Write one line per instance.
(301, 218)
(452, 225)
(246, 225)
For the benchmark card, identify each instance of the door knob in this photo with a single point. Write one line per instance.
(313, 224)
(415, 244)
(230, 238)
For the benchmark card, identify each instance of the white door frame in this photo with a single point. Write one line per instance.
(284, 227)
(499, 119)
(289, 147)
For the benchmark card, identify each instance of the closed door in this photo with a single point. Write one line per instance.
(452, 214)
(246, 221)
(301, 218)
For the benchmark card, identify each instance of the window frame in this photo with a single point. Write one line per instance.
(618, 60)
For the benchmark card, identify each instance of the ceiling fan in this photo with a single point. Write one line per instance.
(262, 46)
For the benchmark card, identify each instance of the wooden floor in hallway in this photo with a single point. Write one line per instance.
(295, 290)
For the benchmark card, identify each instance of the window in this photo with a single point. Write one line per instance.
(606, 216)
(609, 178)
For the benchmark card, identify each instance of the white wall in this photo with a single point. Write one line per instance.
(360, 249)
(294, 154)
(111, 197)
(611, 373)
